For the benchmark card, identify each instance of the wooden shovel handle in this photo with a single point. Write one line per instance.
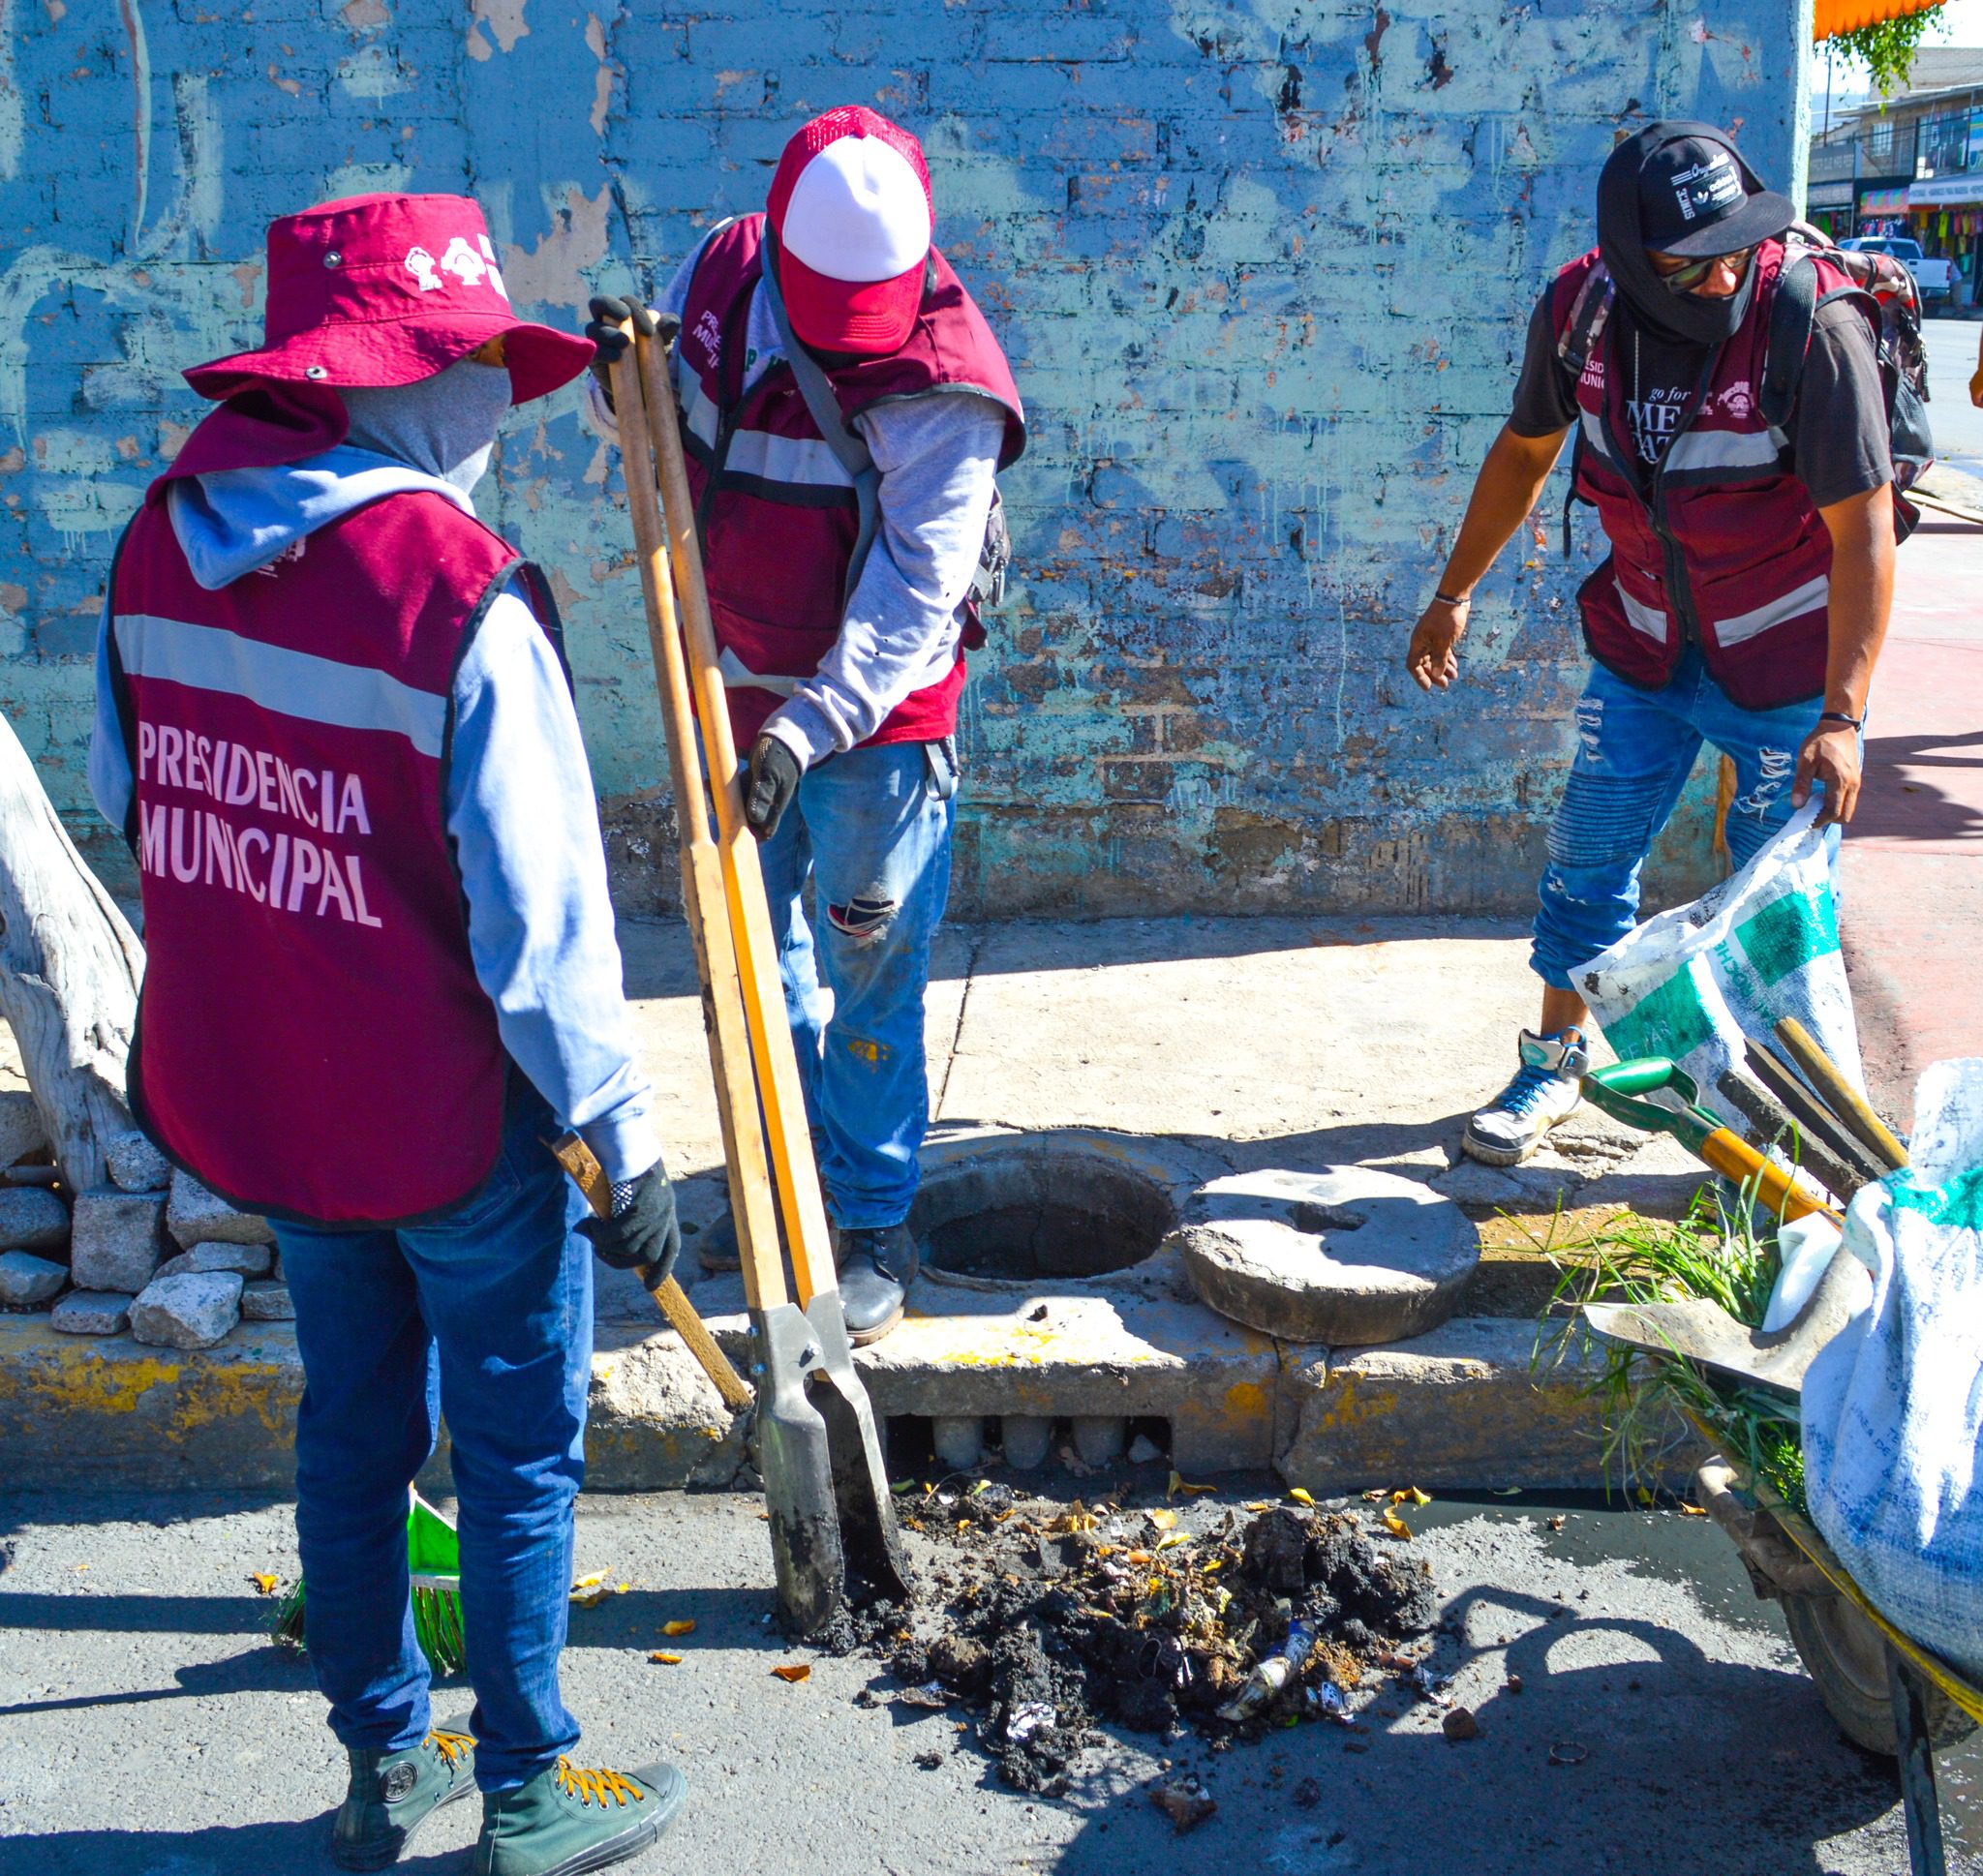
(771, 1038)
(1736, 1159)
(1840, 1096)
(590, 1177)
(703, 898)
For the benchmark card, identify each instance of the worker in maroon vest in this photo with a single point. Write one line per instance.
(1745, 594)
(335, 725)
(844, 410)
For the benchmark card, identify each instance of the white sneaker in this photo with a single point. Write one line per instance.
(1546, 1089)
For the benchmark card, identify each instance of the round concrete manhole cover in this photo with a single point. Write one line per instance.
(1348, 1255)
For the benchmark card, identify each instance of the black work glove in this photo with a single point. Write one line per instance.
(608, 341)
(769, 785)
(642, 1231)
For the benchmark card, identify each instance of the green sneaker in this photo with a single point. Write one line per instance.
(393, 1794)
(571, 1819)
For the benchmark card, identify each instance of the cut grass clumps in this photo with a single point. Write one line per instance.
(1714, 1254)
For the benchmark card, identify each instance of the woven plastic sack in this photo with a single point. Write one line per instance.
(1693, 982)
(1893, 1405)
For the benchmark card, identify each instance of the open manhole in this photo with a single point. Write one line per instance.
(1026, 1207)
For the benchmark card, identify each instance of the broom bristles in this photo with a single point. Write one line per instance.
(437, 1623)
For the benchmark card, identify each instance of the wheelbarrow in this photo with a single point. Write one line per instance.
(1887, 1693)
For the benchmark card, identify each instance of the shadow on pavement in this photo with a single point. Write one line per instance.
(223, 1849)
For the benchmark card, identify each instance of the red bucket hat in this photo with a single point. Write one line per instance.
(850, 205)
(384, 290)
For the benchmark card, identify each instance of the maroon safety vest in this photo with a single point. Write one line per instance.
(1723, 547)
(312, 1038)
(780, 524)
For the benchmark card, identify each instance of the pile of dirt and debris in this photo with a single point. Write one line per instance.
(1043, 1619)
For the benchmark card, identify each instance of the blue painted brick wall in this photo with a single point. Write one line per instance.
(1262, 270)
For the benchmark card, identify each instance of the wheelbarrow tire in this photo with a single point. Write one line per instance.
(1846, 1655)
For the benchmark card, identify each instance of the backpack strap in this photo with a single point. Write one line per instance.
(1589, 314)
(1793, 313)
(825, 411)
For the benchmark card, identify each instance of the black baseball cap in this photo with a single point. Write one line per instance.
(1693, 202)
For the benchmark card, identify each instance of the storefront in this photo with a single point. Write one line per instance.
(1883, 211)
(1828, 207)
(1945, 215)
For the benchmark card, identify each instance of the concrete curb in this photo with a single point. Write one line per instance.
(1458, 1408)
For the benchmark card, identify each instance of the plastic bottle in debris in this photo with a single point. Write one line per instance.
(1272, 1674)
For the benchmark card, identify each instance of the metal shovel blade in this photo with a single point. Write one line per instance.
(795, 1455)
(1696, 1329)
(871, 1539)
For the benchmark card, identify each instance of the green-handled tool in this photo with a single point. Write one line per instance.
(434, 1558)
(1619, 1090)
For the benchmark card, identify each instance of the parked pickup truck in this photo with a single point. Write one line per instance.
(1934, 280)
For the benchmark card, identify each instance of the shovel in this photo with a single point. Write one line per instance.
(832, 1525)
(1618, 1090)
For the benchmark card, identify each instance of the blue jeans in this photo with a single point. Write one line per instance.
(1635, 750)
(869, 832)
(487, 1316)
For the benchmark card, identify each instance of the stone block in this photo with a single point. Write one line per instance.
(655, 1421)
(20, 1126)
(32, 1219)
(243, 1259)
(28, 1281)
(115, 1242)
(193, 1310)
(197, 1215)
(91, 1312)
(1344, 1256)
(267, 1302)
(137, 1166)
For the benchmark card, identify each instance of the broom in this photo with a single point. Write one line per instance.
(434, 1557)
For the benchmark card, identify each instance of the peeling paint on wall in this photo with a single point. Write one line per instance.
(1262, 269)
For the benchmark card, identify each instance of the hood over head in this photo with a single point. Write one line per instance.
(1685, 318)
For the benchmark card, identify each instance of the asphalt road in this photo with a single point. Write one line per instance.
(1957, 423)
(147, 1729)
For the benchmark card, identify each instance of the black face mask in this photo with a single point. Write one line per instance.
(1680, 318)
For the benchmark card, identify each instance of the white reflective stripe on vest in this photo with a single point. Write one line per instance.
(1811, 595)
(1696, 449)
(295, 683)
(1593, 435)
(738, 676)
(1648, 620)
(808, 461)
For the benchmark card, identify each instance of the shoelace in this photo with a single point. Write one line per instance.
(590, 1782)
(1526, 1089)
(868, 1245)
(450, 1745)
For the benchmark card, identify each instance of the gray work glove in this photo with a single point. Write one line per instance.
(642, 1232)
(608, 341)
(769, 784)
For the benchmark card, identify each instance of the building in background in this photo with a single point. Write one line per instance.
(1913, 167)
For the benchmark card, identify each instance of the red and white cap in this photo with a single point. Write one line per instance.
(851, 208)
(386, 290)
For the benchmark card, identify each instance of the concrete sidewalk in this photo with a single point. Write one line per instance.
(1913, 866)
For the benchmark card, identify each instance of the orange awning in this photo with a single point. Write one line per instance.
(1848, 16)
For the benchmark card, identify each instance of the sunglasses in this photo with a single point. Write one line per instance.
(1685, 278)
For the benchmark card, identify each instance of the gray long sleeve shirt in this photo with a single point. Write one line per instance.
(938, 457)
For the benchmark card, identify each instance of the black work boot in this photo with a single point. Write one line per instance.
(392, 1794)
(876, 1266)
(715, 1244)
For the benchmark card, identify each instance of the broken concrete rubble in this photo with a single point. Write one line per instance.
(115, 1245)
(267, 1302)
(194, 1310)
(137, 1166)
(28, 1281)
(91, 1312)
(243, 1259)
(20, 1126)
(197, 1215)
(32, 1220)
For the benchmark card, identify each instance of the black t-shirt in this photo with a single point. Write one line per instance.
(1838, 430)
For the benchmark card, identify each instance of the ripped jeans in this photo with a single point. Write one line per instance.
(1635, 750)
(871, 833)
